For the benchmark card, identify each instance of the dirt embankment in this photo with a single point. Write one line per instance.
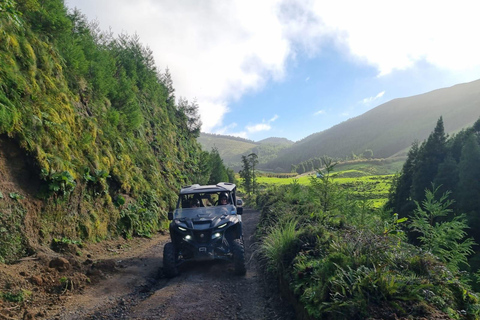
(126, 282)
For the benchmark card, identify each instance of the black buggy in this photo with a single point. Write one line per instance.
(206, 225)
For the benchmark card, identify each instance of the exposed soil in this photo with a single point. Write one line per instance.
(124, 280)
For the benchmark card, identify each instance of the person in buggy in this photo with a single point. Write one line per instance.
(222, 199)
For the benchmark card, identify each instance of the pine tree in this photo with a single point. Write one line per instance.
(447, 176)
(400, 194)
(219, 172)
(246, 174)
(469, 183)
(431, 153)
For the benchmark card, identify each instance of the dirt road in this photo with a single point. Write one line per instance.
(207, 290)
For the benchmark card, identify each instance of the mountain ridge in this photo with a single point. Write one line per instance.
(386, 129)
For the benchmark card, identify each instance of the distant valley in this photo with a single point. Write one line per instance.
(385, 131)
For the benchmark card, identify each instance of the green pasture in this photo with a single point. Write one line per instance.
(361, 184)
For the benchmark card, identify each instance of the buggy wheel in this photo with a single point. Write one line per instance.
(238, 250)
(170, 260)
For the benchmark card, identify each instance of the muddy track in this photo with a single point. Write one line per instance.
(206, 290)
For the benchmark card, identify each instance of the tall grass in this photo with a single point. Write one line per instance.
(278, 246)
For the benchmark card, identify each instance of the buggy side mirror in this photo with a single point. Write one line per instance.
(239, 202)
(170, 216)
(240, 211)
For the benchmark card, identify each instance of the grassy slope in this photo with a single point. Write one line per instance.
(228, 148)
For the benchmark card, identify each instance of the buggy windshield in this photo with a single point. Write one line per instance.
(204, 212)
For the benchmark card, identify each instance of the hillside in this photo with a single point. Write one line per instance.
(276, 141)
(230, 148)
(388, 128)
(92, 145)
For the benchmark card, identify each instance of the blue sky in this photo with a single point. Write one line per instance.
(290, 68)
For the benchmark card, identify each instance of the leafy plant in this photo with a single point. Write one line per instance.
(16, 196)
(394, 228)
(119, 200)
(341, 267)
(60, 183)
(16, 297)
(445, 238)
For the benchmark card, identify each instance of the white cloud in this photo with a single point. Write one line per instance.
(258, 127)
(319, 112)
(275, 117)
(218, 50)
(371, 99)
(264, 126)
(397, 34)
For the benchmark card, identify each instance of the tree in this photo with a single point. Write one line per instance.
(253, 158)
(399, 198)
(323, 186)
(447, 176)
(431, 153)
(368, 154)
(219, 172)
(166, 80)
(469, 183)
(190, 110)
(246, 174)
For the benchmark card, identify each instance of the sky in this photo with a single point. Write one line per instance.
(291, 68)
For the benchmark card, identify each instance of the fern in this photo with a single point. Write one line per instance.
(445, 239)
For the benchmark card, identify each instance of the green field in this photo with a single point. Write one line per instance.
(364, 180)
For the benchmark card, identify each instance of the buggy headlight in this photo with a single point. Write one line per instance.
(188, 237)
(222, 225)
(216, 235)
(181, 228)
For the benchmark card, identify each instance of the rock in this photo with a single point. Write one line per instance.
(106, 265)
(95, 273)
(61, 264)
(37, 280)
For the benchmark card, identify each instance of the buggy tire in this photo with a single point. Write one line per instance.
(238, 250)
(170, 268)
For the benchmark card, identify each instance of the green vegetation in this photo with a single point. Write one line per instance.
(16, 297)
(248, 173)
(344, 255)
(342, 259)
(12, 237)
(99, 124)
(451, 164)
(365, 180)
